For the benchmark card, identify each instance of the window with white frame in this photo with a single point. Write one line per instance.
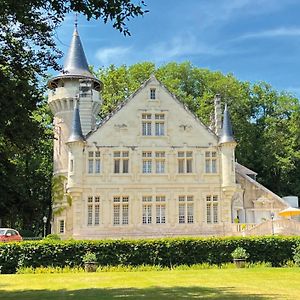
(61, 226)
(153, 124)
(154, 209)
(153, 162)
(121, 210)
(146, 124)
(185, 161)
(212, 209)
(210, 162)
(94, 162)
(152, 93)
(121, 162)
(186, 209)
(159, 124)
(93, 210)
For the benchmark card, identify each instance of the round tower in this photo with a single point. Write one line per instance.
(74, 83)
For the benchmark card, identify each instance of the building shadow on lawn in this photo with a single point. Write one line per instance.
(155, 293)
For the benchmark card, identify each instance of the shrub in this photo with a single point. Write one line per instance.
(169, 252)
(239, 253)
(89, 257)
(296, 256)
(52, 237)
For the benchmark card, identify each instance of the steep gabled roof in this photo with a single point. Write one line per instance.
(127, 100)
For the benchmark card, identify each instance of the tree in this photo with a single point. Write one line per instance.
(27, 50)
(265, 122)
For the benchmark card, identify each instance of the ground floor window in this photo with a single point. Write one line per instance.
(93, 210)
(212, 209)
(120, 210)
(186, 209)
(153, 210)
(61, 226)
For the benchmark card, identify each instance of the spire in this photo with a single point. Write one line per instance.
(75, 62)
(227, 134)
(76, 133)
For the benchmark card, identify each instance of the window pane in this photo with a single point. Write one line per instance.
(189, 166)
(91, 154)
(62, 226)
(214, 166)
(117, 154)
(125, 165)
(116, 214)
(152, 94)
(208, 213)
(97, 166)
(181, 213)
(71, 165)
(90, 215)
(159, 129)
(160, 214)
(180, 166)
(207, 166)
(117, 166)
(147, 198)
(97, 214)
(91, 165)
(160, 166)
(215, 212)
(190, 213)
(181, 154)
(125, 210)
(147, 166)
(97, 153)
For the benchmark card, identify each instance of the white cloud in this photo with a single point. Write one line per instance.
(276, 32)
(113, 55)
(182, 45)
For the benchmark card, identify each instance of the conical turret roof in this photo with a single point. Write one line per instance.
(75, 64)
(76, 133)
(75, 61)
(227, 133)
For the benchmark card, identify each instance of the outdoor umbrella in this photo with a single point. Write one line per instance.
(289, 212)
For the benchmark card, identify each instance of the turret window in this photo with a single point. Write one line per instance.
(212, 209)
(210, 162)
(94, 162)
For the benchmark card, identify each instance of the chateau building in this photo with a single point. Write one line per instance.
(149, 169)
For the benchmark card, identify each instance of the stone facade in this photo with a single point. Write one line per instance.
(150, 169)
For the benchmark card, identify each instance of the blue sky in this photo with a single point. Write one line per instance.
(256, 40)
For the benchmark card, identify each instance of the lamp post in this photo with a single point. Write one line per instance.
(45, 221)
(272, 218)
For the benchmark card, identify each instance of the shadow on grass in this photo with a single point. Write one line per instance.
(156, 293)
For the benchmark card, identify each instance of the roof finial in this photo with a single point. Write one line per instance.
(76, 21)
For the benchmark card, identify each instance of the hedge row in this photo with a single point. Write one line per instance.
(164, 252)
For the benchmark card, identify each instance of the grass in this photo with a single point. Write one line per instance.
(256, 283)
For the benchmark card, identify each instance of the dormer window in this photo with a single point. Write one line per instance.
(152, 93)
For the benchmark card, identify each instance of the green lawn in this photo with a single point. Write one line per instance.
(256, 283)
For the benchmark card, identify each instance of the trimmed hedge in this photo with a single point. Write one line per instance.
(164, 252)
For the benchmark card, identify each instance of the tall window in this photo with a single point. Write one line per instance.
(146, 124)
(121, 210)
(147, 162)
(152, 93)
(210, 162)
(94, 162)
(121, 162)
(71, 165)
(186, 209)
(159, 124)
(93, 210)
(153, 124)
(154, 162)
(212, 209)
(185, 161)
(154, 209)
